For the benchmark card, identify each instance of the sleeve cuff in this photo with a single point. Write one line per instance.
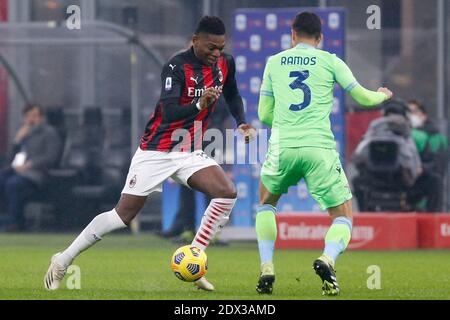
(351, 86)
(266, 93)
(238, 123)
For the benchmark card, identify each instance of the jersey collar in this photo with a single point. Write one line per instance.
(304, 46)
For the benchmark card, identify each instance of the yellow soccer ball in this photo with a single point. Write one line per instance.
(189, 263)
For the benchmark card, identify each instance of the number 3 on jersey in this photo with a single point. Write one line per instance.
(298, 84)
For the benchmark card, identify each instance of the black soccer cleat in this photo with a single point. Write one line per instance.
(327, 274)
(265, 284)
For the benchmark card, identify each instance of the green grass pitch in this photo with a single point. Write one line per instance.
(138, 267)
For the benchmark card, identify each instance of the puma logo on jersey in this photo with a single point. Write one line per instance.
(195, 80)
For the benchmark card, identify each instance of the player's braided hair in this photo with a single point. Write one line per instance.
(210, 24)
(307, 24)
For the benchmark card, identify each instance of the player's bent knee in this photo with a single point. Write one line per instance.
(229, 192)
(127, 214)
(129, 206)
(225, 191)
(343, 210)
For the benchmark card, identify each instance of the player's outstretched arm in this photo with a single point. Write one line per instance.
(368, 98)
(361, 95)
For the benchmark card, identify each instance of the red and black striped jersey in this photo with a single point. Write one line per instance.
(177, 124)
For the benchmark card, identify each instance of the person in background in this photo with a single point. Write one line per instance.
(36, 148)
(393, 126)
(183, 227)
(296, 100)
(433, 150)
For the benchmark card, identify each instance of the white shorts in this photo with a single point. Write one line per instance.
(149, 169)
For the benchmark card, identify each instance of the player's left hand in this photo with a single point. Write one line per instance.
(248, 131)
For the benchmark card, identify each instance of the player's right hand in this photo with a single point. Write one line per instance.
(208, 97)
(386, 91)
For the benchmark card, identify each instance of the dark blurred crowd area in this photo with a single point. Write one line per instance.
(64, 168)
(61, 170)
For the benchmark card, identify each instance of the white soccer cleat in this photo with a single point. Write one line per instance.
(55, 274)
(204, 284)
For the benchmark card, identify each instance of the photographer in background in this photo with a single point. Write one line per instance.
(433, 151)
(37, 148)
(392, 128)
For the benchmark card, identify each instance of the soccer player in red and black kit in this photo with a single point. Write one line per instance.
(192, 82)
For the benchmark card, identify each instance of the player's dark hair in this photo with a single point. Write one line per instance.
(210, 24)
(31, 106)
(307, 24)
(419, 105)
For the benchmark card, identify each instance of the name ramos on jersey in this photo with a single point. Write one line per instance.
(302, 61)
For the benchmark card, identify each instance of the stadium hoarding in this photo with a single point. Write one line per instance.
(370, 231)
(434, 231)
(259, 33)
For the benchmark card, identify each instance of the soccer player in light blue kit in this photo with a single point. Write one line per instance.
(295, 101)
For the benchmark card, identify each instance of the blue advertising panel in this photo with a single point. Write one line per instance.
(258, 34)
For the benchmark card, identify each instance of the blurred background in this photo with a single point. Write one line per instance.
(98, 85)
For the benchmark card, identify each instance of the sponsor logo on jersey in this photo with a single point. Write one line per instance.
(220, 76)
(168, 84)
(198, 92)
